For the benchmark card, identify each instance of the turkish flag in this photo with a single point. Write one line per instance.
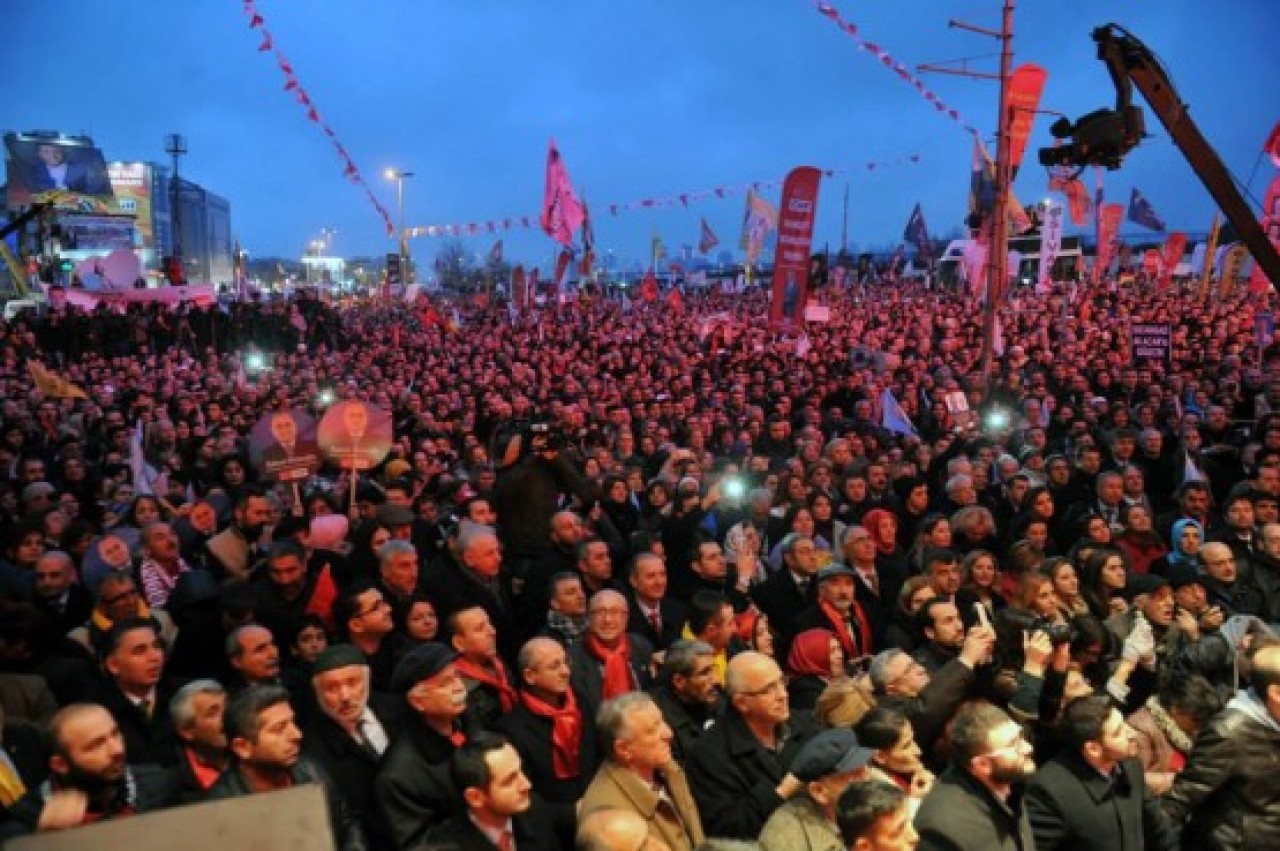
(649, 287)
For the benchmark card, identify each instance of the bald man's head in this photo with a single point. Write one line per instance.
(616, 830)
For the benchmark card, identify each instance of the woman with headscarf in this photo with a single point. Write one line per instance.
(891, 561)
(815, 658)
(1185, 541)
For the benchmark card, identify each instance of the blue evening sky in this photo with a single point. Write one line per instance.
(647, 98)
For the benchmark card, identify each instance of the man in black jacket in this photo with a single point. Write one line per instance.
(413, 787)
(791, 589)
(135, 693)
(553, 733)
(90, 780)
(687, 693)
(267, 745)
(1093, 794)
(501, 813)
(976, 805)
(351, 732)
(739, 771)
(1230, 790)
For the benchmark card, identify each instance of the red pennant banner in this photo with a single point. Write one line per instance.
(258, 22)
(832, 14)
(683, 199)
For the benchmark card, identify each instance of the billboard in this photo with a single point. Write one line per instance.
(69, 171)
(132, 183)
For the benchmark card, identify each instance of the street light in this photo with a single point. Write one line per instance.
(399, 177)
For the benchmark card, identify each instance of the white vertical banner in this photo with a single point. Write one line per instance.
(1050, 244)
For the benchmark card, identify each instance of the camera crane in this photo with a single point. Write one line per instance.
(1104, 136)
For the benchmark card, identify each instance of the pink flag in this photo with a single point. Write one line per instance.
(562, 212)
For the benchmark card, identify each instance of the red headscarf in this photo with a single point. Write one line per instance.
(871, 522)
(811, 653)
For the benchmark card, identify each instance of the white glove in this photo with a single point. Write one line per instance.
(1141, 643)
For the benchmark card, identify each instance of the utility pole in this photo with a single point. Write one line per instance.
(997, 225)
(844, 227)
(175, 145)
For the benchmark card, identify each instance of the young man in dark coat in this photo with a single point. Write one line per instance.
(1093, 793)
(976, 805)
(500, 811)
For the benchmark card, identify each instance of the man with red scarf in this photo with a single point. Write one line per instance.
(555, 737)
(90, 779)
(838, 610)
(608, 661)
(491, 692)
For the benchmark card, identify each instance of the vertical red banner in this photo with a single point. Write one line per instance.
(519, 288)
(1173, 250)
(1025, 85)
(796, 215)
(1108, 226)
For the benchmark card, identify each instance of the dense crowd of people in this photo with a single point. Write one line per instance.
(653, 576)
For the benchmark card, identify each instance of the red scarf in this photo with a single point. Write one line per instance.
(322, 597)
(841, 629)
(498, 681)
(617, 664)
(566, 732)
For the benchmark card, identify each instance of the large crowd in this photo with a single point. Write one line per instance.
(653, 576)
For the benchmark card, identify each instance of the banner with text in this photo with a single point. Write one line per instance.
(1050, 245)
(1151, 341)
(796, 215)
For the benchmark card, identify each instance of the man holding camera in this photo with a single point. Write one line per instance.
(535, 475)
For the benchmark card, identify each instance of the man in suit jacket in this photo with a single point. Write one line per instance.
(58, 593)
(500, 814)
(352, 732)
(793, 588)
(607, 660)
(134, 692)
(1093, 794)
(653, 615)
(639, 774)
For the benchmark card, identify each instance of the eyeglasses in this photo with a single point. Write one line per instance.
(778, 685)
(119, 598)
(375, 606)
(616, 613)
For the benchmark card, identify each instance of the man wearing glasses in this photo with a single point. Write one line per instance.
(364, 616)
(740, 768)
(608, 661)
(413, 785)
(976, 805)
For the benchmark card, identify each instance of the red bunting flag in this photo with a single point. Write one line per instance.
(708, 239)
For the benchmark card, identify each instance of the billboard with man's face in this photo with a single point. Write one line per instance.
(69, 171)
